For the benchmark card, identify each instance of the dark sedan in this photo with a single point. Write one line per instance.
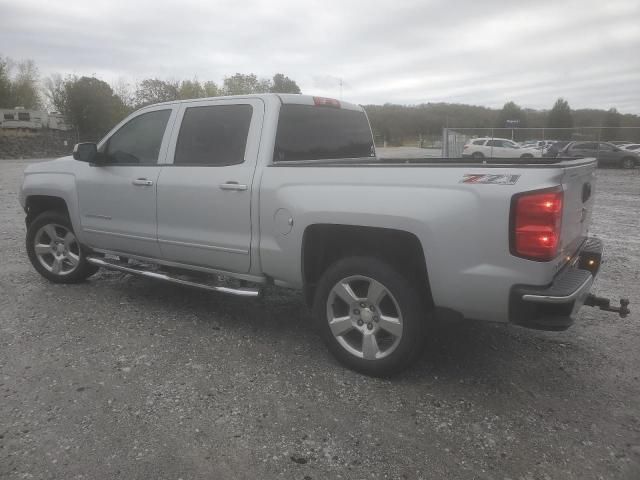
(606, 153)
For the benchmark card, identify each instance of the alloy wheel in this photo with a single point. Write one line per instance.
(364, 317)
(57, 249)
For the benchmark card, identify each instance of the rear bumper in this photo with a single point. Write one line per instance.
(552, 307)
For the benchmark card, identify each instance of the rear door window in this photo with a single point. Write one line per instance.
(307, 132)
(213, 135)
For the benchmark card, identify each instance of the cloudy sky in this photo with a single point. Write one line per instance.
(483, 52)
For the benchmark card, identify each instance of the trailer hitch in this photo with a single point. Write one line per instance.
(605, 304)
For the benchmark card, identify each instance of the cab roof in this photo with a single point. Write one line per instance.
(284, 98)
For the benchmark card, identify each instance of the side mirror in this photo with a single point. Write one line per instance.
(85, 152)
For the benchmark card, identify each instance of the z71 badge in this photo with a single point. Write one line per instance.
(501, 179)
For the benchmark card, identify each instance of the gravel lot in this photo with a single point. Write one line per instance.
(122, 377)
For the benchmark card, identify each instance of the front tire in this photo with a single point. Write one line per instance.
(54, 250)
(371, 317)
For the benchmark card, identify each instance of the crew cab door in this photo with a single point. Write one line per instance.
(117, 198)
(204, 191)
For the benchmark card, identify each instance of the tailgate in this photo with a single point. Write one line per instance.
(578, 183)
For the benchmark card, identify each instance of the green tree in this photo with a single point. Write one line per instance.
(243, 84)
(283, 84)
(92, 107)
(560, 117)
(511, 112)
(21, 88)
(123, 90)
(55, 91)
(210, 89)
(5, 83)
(191, 89)
(25, 89)
(611, 124)
(153, 90)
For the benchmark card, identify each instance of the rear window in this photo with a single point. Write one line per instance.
(308, 132)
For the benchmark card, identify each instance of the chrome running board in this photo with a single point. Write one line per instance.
(133, 269)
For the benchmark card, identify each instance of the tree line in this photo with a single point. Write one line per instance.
(397, 124)
(93, 106)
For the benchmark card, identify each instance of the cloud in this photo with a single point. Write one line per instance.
(408, 51)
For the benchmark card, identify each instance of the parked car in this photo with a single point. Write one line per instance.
(539, 144)
(498, 148)
(555, 148)
(286, 190)
(606, 153)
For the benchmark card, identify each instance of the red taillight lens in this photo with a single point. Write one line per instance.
(326, 102)
(535, 225)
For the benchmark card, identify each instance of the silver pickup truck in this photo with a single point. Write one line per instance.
(234, 193)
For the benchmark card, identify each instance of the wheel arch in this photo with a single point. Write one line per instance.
(36, 204)
(324, 244)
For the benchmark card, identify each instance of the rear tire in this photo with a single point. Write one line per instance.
(54, 250)
(477, 155)
(371, 318)
(627, 162)
(526, 155)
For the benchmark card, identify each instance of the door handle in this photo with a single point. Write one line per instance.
(143, 182)
(233, 186)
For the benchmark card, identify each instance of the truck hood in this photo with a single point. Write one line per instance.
(62, 164)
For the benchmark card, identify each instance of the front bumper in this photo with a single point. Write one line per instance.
(553, 307)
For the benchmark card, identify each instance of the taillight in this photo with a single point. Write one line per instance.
(536, 218)
(326, 102)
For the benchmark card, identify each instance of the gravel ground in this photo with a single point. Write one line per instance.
(122, 377)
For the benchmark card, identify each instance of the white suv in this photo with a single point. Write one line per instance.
(497, 148)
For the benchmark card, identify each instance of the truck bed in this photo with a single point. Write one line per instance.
(462, 222)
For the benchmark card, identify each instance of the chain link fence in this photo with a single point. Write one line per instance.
(536, 142)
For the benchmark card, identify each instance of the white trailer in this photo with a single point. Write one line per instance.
(21, 118)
